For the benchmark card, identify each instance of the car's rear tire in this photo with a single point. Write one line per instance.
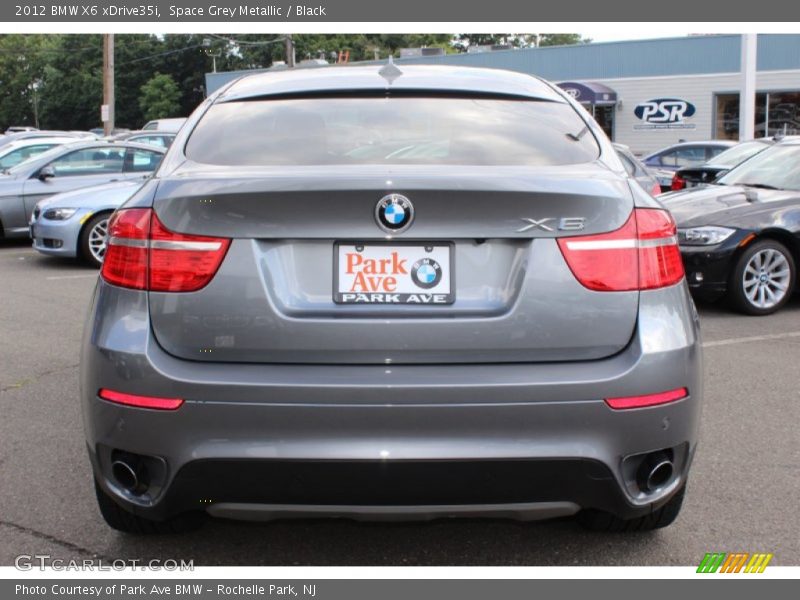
(763, 279)
(598, 520)
(92, 243)
(120, 519)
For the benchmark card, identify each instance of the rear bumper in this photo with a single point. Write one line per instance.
(415, 441)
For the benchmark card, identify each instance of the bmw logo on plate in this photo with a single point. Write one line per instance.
(394, 213)
(426, 273)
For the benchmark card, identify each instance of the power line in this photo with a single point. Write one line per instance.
(166, 53)
(248, 42)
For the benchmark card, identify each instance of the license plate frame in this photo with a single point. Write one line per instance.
(418, 297)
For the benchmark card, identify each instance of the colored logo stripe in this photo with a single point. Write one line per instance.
(711, 562)
(758, 563)
(734, 562)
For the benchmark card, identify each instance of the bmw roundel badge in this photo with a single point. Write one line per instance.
(426, 273)
(394, 213)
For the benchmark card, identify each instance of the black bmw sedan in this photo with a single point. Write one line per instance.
(740, 237)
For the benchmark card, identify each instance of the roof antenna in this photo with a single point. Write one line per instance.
(389, 71)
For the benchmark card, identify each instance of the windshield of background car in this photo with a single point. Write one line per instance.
(778, 166)
(739, 153)
(38, 159)
(393, 130)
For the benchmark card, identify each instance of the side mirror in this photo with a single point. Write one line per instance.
(46, 173)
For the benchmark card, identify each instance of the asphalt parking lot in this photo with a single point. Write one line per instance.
(743, 493)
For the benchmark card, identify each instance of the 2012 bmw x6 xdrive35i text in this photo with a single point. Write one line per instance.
(391, 293)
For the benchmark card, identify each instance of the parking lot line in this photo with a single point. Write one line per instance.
(56, 277)
(754, 338)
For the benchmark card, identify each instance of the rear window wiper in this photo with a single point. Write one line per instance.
(763, 186)
(576, 137)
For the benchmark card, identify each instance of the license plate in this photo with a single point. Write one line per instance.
(393, 273)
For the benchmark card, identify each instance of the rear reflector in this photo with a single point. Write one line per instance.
(643, 254)
(626, 402)
(143, 254)
(140, 401)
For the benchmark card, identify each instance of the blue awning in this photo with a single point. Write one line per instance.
(589, 92)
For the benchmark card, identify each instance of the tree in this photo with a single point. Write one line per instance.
(562, 39)
(518, 40)
(72, 82)
(160, 98)
(23, 60)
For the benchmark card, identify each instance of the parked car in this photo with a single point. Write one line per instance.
(692, 176)
(637, 170)
(26, 135)
(68, 167)
(21, 128)
(155, 138)
(666, 161)
(740, 236)
(172, 125)
(493, 321)
(75, 224)
(17, 152)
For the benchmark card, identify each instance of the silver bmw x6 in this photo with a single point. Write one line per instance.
(391, 292)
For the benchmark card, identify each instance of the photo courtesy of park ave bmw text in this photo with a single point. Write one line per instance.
(294, 295)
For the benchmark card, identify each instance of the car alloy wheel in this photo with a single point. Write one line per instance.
(97, 240)
(763, 278)
(766, 278)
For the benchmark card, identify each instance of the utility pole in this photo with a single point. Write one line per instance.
(747, 92)
(289, 50)
(107, 110)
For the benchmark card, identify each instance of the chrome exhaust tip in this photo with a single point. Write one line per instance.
(129, 476)
(655, 471)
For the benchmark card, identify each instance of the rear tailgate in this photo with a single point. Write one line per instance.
(512, 296)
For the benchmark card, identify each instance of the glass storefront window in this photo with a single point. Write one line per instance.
(784, 113)
(776, 112)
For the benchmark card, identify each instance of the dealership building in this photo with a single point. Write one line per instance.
(652, 93)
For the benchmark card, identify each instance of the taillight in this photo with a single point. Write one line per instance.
(143, 254)
(643, 254)
(656, 189)
(678, 183)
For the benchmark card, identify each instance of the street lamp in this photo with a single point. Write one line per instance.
(211, 53)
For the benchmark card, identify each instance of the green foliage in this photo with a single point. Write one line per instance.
(518, 40)
(63, 72)
(562, 39)
(160, 98)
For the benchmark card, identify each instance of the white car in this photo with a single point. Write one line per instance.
(171, 125)
(18, 152)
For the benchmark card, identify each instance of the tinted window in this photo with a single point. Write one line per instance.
(161, 141)
(682, 157)
(714, 151)
(779, 167)
(626, 162)
(141, 161)
(89, 161)
(739, 153)
(399, 130)
(19, 155)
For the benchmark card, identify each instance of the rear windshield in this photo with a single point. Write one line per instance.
(394, 130)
